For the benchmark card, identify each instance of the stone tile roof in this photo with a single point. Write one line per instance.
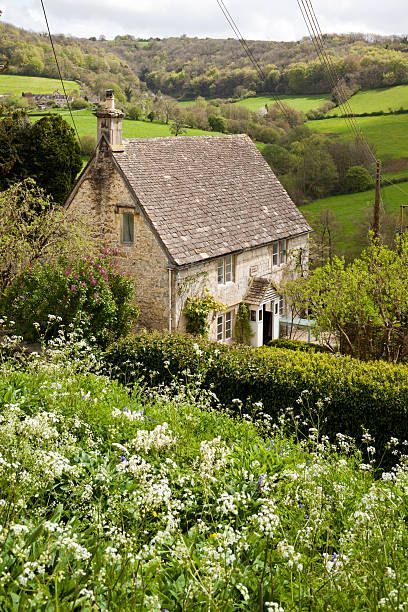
(208, 195)
(261, 290)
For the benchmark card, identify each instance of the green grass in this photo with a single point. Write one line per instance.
(86, 124)
(388, 134)
(376, 100)
(299, 103)
(352, 214)
(13, 84)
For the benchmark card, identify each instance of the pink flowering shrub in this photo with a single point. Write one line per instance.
(86, 293)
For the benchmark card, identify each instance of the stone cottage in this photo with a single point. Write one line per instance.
(192, 213)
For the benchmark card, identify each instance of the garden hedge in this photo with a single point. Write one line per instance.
(369, 394)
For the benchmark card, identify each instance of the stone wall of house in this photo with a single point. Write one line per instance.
(102, 197)
(252, 263)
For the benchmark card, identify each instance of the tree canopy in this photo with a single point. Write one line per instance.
(46, 151)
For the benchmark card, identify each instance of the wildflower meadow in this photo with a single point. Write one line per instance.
(154, 499)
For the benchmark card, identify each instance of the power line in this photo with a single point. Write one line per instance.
(59, 71)
(249, 53)
(316, 35)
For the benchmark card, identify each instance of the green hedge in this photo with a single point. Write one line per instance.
(373, 395)
(298, 345)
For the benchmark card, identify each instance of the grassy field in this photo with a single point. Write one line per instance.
(13, 84)
(352, 214)
(86, 125)
(376, 100)
(388, 134)
(300, 103)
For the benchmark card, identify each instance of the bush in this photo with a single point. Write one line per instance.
(298, 345)
(217, 123)
(86, 293)
(373, 395)
(358, 179)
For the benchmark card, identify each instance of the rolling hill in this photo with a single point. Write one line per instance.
(17, 84)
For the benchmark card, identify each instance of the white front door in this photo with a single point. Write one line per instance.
(275, 319)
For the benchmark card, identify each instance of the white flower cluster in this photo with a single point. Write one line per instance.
(158, 439)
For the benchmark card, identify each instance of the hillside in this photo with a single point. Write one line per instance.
(16, 85)
(145, 501)
(351, 216)
(388, 134)
(383, 100)
(188, 67)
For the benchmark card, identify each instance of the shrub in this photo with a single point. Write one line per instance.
(298, 345)
(217, 123)
(358, 179)
(87, 293)
(373, 395)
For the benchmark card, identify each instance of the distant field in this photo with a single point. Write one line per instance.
(352, 213)
(86, 125)
(10, 83)
(300, 103)
(376, 100)
(388, 134)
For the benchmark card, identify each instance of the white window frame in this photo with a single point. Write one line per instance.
(225, 270)
(128, 215)
(224, 326)
(279, 252)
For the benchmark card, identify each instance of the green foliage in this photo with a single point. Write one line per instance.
(364, 304)
(217, 123)
(280, 159)
(54, 155)
(297, 345)
(243, 331)
(85, 293)
(146, 503)
(197, 311)
(358, 178)
(373, 395)
(88, 144)
(33, 229)
(46, 151)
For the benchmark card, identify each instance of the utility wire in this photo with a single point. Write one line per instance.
(250, 54)
(59, 71)
(315, 33)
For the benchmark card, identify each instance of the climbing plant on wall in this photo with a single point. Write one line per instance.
(197, 311)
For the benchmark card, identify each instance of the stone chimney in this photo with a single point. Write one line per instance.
(110, 122)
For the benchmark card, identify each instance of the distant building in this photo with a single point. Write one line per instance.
(189, 213)
(44, 100)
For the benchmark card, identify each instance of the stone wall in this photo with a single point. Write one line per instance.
(103, 195)
(252, 263)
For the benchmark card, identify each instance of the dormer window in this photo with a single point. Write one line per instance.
(127, 228)
(225, 270)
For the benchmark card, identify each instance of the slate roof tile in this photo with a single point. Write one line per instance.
(207, 196)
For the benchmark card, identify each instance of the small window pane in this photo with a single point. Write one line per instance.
(228, 325)
(253, 315)
(221, 274)
(128, 228)
(282, 253)
(220, 327)
(281, 305)
(260, 315)
(275, 254)
(228, 269)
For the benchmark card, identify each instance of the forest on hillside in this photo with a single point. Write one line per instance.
(189, 67)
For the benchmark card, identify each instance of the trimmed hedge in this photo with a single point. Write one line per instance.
(373, 394)
(298, 345)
